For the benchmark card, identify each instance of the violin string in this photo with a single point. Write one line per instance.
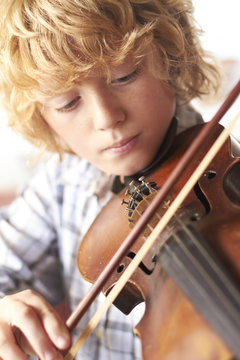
(233, 313)
(202, 271)
(148, 244)
(198, 265)
(228, 307)
(232, 289)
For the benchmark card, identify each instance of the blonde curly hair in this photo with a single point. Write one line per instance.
(44, 43)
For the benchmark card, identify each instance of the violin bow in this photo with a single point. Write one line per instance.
(139, 226)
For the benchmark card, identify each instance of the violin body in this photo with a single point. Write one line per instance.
(175, 324)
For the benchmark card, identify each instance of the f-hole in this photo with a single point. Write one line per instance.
(143, 267)
(210, 174)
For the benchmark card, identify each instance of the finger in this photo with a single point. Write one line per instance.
(51, 321)
(8, 347)
(32, 328)
(36, 319)
(55, 327)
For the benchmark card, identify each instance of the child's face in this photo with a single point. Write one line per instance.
(117, 126)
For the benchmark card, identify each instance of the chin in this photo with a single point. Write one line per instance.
(130, 170)
(126, 168)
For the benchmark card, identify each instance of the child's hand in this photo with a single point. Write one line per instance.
(28, 324)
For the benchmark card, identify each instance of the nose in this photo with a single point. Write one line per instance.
(108, 111)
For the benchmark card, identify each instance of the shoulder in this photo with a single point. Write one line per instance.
(71, 169)
(187, 117)
(75, 172)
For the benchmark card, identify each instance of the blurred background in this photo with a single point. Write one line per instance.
(219, 19)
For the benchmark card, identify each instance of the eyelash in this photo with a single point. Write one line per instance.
(128, 77)
(72, 104)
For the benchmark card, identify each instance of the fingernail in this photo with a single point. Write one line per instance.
(62, 342)
(49, 355)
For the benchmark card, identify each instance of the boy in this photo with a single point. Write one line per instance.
(101, 84)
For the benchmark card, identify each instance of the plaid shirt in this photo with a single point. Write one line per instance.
(39, 237)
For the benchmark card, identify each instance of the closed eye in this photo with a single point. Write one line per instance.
(128, 77)
(70, 106)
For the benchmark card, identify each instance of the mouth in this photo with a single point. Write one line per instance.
(122, 147)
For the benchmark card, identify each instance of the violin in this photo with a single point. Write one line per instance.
(189, 279)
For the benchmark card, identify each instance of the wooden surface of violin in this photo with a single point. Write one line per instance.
(190, 279)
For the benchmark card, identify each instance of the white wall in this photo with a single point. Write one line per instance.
(219, 19)
(15, 157)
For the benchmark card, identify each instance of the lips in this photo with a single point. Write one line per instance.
(122, 147)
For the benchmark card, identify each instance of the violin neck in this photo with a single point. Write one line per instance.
(191, 264)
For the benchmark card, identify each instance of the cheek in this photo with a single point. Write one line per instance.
(81, 142)
(68, 130)
(156, 97)
(159, 108)
(78, 142)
